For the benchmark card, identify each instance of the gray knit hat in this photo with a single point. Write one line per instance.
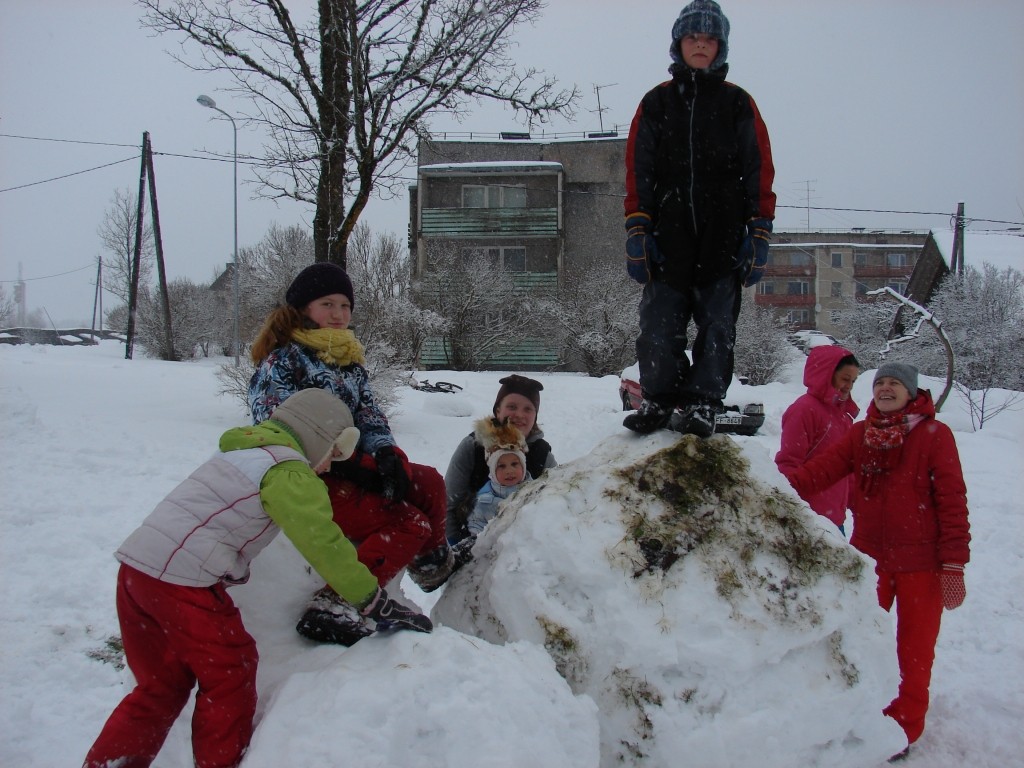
(703, 17)
(320, 421)
(902, 372)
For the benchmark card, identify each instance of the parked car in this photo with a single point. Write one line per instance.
(737, 419)
(805, 340)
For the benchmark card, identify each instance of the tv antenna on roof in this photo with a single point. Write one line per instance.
(600, 110)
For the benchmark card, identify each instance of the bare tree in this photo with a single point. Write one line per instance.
(344, 99)
(761, 350)
(483, 310)
(194, 309)
(982, 315)
(117, 233)
(594, 317)
(265, 272)
(6, 308)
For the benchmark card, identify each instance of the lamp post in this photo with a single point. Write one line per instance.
(206, 101)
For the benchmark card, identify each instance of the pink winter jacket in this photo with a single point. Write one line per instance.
(815, 421)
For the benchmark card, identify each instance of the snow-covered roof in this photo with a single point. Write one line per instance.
(1000, 249)
(493, 166)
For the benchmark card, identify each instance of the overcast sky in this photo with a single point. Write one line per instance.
(888, 105)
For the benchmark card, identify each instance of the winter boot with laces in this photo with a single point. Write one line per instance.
(330, 619)
(649, 417)
(429, 571)
(697, 419)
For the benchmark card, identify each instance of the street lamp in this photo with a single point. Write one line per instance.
(206, 101)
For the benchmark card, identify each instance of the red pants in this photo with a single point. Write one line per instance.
(918, 597)
(173, 637)
(391, 534)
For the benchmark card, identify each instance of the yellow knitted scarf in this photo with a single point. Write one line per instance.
(333, 346)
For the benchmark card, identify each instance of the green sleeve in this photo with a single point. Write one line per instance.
(296, 499)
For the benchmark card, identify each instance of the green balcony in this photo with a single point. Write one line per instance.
(489, 222)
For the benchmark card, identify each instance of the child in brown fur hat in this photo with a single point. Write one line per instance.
(505, 450)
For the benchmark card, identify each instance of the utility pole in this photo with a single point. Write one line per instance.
(97, 298)
(158, 242)
(956, 259)
(133, 291)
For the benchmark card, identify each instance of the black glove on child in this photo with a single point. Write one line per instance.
(752, 257)
(391, 615)
(394, 479)
(641, 249)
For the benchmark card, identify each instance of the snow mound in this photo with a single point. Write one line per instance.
(441, 678)
(682, 595)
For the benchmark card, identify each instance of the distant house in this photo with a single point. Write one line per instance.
(542, 209)
(1001, 249)
(814, 278)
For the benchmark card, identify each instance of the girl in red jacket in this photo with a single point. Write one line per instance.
(820, 418)
(909, 507)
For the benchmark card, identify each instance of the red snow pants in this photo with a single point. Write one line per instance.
(173, 637)
(391, 534)
(918, 597)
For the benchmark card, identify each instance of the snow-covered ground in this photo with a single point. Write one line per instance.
(91, 442)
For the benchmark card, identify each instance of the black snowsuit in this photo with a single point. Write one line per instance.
(698, 162)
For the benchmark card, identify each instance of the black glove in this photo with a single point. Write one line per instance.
(641, 250)
(394, 479)
(463, 552)
(388, 614)
(752, 257)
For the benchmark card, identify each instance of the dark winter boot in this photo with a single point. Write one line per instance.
(649, 417)
(431, 570)
(900, 756)
(330, 619)
(696, 420)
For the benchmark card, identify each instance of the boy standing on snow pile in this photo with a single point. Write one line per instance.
(178, 624)
(909, 506)
(699, 209)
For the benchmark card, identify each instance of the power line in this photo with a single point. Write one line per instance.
(249, 160)
(47, 277)
(67, 175)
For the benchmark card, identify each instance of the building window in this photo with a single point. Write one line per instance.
(800, 259)
(860, 258)
(896, 259)
(510, 259)
(493, 196)
(798, 316)
(837, 290)
(837, 260)
(797, 288)
(766, 287)
(900, 286)
(835, 317)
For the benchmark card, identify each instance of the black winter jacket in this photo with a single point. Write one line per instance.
(699, 163)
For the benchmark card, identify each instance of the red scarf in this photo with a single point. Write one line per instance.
(884, 434)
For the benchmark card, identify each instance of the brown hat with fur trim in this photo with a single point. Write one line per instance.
(498, 438)
(518, 385)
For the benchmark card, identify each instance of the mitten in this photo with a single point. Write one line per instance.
(641, 250)
(463, 552)
(391, 615)
(752, 257)
(394, 478)
(953, 589)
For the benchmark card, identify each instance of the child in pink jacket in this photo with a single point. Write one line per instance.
(820, 418)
